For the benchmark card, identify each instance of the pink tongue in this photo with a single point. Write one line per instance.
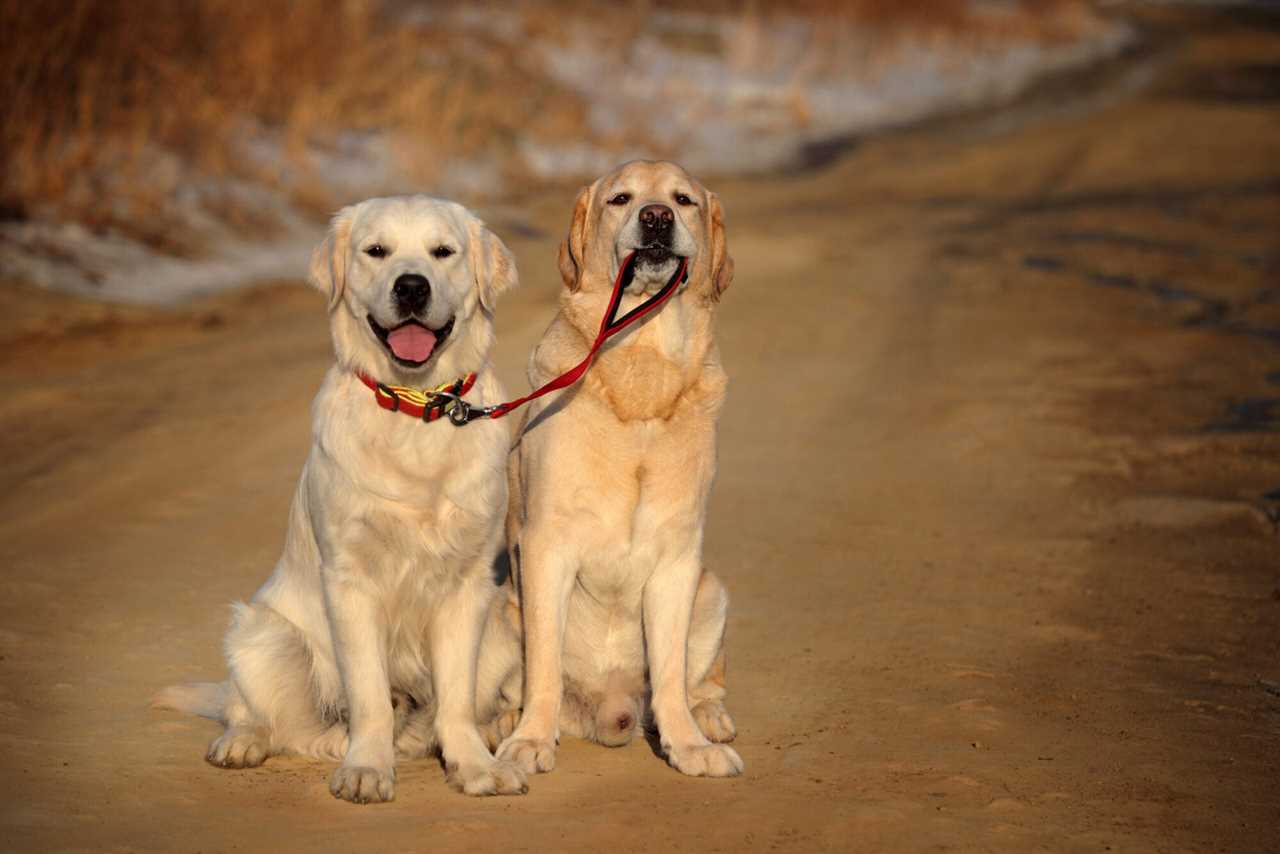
(412, 342)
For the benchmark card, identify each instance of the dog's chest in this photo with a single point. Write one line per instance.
(644, 375)
(429, 536)
(418, 493)
(615, 576)
(645, 528)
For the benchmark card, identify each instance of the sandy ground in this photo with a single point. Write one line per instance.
(991, 508)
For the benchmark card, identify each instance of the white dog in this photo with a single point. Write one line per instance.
(363, 643)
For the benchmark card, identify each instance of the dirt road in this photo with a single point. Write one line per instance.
(991, 509)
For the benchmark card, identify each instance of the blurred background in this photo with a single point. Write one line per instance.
(998, 487)
(154, 150)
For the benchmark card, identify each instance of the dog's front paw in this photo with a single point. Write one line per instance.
(713, 719)
(361, 784)
(495, 777)
(238, 747)
(706, 760)
(531, 755)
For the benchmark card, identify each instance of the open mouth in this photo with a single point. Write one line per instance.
(411, 343)
(654, 255)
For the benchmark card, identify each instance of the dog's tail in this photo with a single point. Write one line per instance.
(206, 699)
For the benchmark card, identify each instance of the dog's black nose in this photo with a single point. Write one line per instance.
(411, 292)
(656, 220)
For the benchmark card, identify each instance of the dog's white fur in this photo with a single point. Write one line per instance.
(609, 485)
(363, 643)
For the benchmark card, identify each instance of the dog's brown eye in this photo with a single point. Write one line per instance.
(620, 199)
(377, 250)
(683, 200)
(441, 252)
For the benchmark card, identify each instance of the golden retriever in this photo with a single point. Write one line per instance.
(609, 483)
(362, 645)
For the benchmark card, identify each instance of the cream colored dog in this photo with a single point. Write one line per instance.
(609, 487)
(363, 643)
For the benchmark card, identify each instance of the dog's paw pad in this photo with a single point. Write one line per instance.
(706, 760)
(531, 755)
(496, 777)
(363, 785)
(714, 721)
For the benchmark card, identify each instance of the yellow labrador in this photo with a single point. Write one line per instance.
(363, 643)
(609, 487)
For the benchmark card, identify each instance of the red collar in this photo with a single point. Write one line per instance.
(427, 404)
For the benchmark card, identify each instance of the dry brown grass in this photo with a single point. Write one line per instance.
(109, 109)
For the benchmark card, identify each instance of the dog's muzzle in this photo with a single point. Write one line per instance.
(657, 228)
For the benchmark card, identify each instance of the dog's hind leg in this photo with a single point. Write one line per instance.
(282, 699)
(415, 725)
(496, 730)
(706, 660)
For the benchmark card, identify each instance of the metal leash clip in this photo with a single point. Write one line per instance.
(462, 412)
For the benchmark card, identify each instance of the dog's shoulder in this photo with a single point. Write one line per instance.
(561, 347)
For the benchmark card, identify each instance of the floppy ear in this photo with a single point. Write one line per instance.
(574, 245)
(721, 263)
(494, 264)
(329, 260)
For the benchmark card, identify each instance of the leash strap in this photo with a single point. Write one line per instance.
(608, 328)
(430, 404)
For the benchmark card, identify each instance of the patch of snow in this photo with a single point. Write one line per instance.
(763, 97)
(69, 258)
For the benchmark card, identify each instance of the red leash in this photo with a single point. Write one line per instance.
(464, 413)
(608, 328)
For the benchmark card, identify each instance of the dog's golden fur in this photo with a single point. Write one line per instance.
(609, 483)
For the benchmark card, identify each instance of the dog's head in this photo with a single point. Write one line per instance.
(657, 210)
(412, 282)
